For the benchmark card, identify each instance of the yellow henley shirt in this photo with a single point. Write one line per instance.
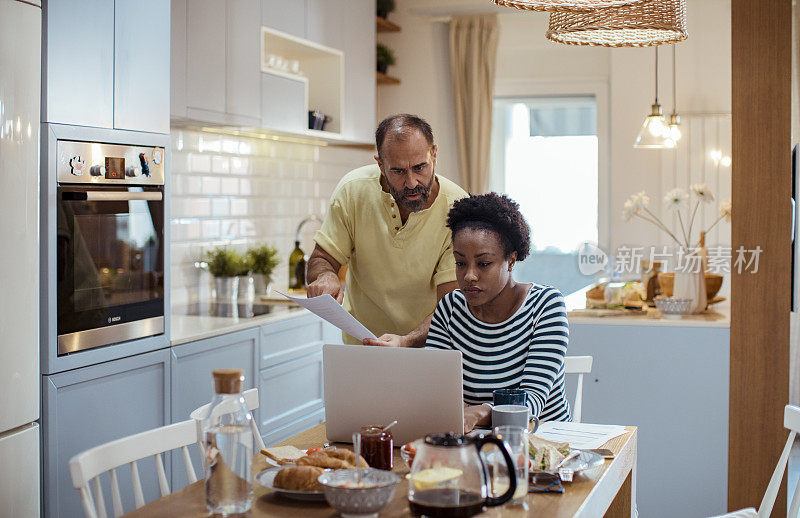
(394, 267)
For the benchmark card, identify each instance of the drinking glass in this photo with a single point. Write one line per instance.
(515, 439)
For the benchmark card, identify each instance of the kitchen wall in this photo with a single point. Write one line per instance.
(239, 191)
(529, 64)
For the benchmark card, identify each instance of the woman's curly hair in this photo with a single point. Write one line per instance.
(497, 213)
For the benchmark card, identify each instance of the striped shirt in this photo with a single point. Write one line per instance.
(525, 351)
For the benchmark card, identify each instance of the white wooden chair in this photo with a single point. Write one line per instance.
(251, 401)
(579, 365)
(791, 420)
(86, 468)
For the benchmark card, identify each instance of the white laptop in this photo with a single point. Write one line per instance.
(420, 388)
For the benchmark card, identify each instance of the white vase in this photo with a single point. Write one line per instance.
(262, 285)
(226, 289)
(691, 285)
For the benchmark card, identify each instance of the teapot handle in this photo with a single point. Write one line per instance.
(512, 471)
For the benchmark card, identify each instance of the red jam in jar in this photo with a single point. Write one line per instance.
(376, 447)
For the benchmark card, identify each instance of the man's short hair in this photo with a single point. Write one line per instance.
(402, 122)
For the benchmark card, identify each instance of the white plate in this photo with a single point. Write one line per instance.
(583, 461)
(267, 477)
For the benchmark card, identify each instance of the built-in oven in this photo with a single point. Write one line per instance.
(110, 248)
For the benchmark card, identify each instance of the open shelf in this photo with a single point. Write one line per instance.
(384, 25)
(384, 79)
(322, 73)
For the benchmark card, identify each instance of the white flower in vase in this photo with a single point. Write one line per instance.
(702, 192)
(725, 209)
(676, 199)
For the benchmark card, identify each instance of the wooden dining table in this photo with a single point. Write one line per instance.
(608, 490)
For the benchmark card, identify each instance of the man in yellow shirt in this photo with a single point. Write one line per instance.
(387, 222)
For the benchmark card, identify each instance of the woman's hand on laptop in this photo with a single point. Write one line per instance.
(387, 340)
(475, 416)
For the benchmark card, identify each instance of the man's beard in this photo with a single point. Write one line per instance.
(400, 196)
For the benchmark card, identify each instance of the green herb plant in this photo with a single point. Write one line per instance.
(384, 7)
(384, 58)
(224, 262)
(262, 259)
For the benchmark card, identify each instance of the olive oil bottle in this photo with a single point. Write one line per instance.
(297, 268)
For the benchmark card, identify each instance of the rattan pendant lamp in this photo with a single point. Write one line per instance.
(575, 6)
(643, 24)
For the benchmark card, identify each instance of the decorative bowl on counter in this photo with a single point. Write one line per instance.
(672, 307)
(713, 284)
(346, 494)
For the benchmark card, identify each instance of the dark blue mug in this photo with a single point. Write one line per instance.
(508, 397)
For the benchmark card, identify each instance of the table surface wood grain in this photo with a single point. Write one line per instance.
(607, 490)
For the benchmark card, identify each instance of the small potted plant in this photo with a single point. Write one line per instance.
(384, 7)
(384, 58)
(261, 261)
(225, 265)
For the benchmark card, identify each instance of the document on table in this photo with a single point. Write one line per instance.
(328, 309)
(582, 436)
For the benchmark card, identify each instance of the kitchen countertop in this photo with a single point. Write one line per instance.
(717, 315)
(188, 328)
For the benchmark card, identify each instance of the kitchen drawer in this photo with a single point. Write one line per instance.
(290, 339)
(290, 392)
(295, 427)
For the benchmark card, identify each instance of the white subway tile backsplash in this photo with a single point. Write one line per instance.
(220, 164)
(229, 186)
(199, 163)
(239, 192)
(211, 185)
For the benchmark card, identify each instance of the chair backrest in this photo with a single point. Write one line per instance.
(250, 400)
(86, 467)
(791, 420)
(579, 365)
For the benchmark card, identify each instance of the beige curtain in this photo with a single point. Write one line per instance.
(473, 55)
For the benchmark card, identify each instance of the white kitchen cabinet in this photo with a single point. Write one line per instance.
(178, 50)
(349, 26)
(243, 62)
(19, 478)
(205, 59)
(141, 65)
(78, 54)
(359, 71)
(288, 17)
(283, 101)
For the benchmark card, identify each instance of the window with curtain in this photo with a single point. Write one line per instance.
(545, 156)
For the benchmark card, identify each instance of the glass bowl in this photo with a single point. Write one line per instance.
(344, 495)
(672, 307)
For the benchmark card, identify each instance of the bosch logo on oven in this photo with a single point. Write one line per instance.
(114, 319)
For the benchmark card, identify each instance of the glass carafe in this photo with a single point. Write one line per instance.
(449, 477)
(228, 442)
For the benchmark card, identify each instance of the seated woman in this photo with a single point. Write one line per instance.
(511, 335)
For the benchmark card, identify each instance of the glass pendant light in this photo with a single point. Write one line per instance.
(674, 118)
(654, 131)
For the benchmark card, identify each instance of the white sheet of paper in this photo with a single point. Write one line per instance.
(583, 436)
(328, 309)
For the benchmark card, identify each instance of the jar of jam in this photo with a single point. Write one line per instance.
(376, 447)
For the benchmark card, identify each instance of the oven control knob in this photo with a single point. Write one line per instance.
(76, 165)
(97, 170)
(158, 155)
(145, 167)
(132, 171)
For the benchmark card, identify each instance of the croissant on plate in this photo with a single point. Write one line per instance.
(299, 478)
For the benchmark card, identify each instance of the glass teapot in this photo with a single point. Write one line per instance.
(449, 477)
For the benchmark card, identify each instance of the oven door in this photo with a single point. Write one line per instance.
(110, 261)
